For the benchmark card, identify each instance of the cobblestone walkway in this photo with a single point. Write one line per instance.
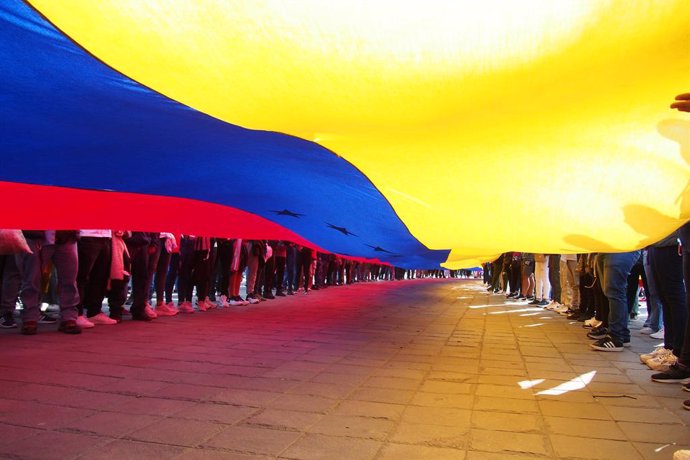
(401, 370)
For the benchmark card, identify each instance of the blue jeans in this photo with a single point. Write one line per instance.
(614, 270)
(64, 257)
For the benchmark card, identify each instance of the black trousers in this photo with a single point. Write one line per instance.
(95, 255)
(139, 256)
(555, 276)
(280, 272)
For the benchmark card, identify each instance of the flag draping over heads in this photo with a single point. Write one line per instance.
(418, 133)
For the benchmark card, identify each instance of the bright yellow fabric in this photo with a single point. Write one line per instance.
(539, 126)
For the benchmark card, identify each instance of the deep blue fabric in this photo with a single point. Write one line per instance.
(67, 119)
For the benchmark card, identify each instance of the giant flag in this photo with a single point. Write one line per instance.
(416, 133)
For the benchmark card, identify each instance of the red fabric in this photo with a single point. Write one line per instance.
(28, 207)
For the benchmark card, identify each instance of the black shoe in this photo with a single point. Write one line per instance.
(686, 404)
(29, 328)
(280, 294)
(141, 317)
(543, 303)
(607, 343)
(686, 387)
(675, 373)
(45, 319)
(69, 327)
(583, 317)
(116, 317)
(534, 302)
(269, 296)
(574, 315)
(8, 321)
(598, 333)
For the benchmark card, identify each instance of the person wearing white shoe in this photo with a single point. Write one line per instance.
(102, 319)
(186, 307)
(662, 363)
(659, 335)
(658, 351)
(162, 309)
(84, 323)
(148, 311)
(223, 302)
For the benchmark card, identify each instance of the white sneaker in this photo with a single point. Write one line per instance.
(563, 309)
(84, 323)
(658, 335)
(100, 319)
(171, 306)
(148, 311)
(253, 300)
(592, 322)
(164, 310)
(186, 307)
(552, 305)
(662, 363)
(223, 302)
(658, 352)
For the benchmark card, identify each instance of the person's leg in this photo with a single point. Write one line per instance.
(224, 265)
(566, 285)
(213, 269)
(667, 267)
(29, 266)
(280, 273)
(269, 275)
(684, 233)
(98, 278)
(154, 253)
(616, 271)
(555, 276)
(116, 298)
(139, 259)
(574, 280)
(185, 287)
(171, 277)
(88, 249)
(634, 289)
(11, 283)
(586, 296)
(66, 260)
(253, 266)
(162, 269)
(653, 303)
(601, 303)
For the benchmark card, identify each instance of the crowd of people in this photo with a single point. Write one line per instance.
(602, 290)
(78, 270)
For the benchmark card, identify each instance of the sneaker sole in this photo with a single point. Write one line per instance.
(594, 347)
(681, 381)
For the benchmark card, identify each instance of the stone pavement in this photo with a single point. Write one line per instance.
(399, 370)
